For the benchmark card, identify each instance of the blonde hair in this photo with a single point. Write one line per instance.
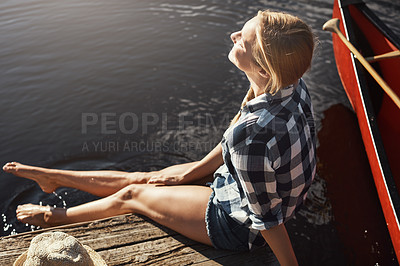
(283, 48)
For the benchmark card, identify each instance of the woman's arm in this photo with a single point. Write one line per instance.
(278, 239)
(187, 173)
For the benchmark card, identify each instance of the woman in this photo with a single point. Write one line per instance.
(262, 168)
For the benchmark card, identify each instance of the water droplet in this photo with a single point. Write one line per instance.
(62, 200)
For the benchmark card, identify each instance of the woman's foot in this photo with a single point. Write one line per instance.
(38, 174)
(43, 216)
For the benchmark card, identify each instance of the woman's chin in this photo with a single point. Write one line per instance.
(231, 57)
(233, 60)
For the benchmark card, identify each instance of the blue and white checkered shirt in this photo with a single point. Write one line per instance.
(269, 160)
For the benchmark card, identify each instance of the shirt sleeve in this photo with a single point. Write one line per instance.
(257, 177)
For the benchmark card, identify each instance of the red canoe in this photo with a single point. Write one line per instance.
(378, 116)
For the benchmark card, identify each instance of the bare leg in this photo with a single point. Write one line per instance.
(181, 208)
(99, 183)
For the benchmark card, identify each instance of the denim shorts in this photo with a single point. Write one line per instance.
(224, 232)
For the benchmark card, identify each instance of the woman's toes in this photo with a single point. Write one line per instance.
(8, 166)
(20, 216)
(11, 167)
(22, 208)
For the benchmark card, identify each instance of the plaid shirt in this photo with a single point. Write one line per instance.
(269, 156)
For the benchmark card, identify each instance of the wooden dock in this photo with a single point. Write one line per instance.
(136, 240)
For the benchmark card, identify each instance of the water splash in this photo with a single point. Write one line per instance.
(8, 226)
(63, 201)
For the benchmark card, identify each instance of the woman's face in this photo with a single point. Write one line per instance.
(241, 53)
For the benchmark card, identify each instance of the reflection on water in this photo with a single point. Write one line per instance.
(359, 219)
(156, 77)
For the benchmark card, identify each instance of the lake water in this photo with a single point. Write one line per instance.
(141, 85)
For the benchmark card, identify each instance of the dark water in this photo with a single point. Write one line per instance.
(141, 85)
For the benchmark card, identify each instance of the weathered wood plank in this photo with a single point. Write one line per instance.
(115, 231)
(131, 239)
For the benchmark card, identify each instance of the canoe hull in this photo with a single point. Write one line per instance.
(378, 117)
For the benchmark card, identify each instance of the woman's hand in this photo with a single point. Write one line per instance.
(189, 172)
(166, 179)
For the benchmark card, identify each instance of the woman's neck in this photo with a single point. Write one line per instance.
(258, 84)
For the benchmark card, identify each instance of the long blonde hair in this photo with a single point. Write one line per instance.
(283, 48)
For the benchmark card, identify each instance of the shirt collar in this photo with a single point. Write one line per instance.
(267, 99)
